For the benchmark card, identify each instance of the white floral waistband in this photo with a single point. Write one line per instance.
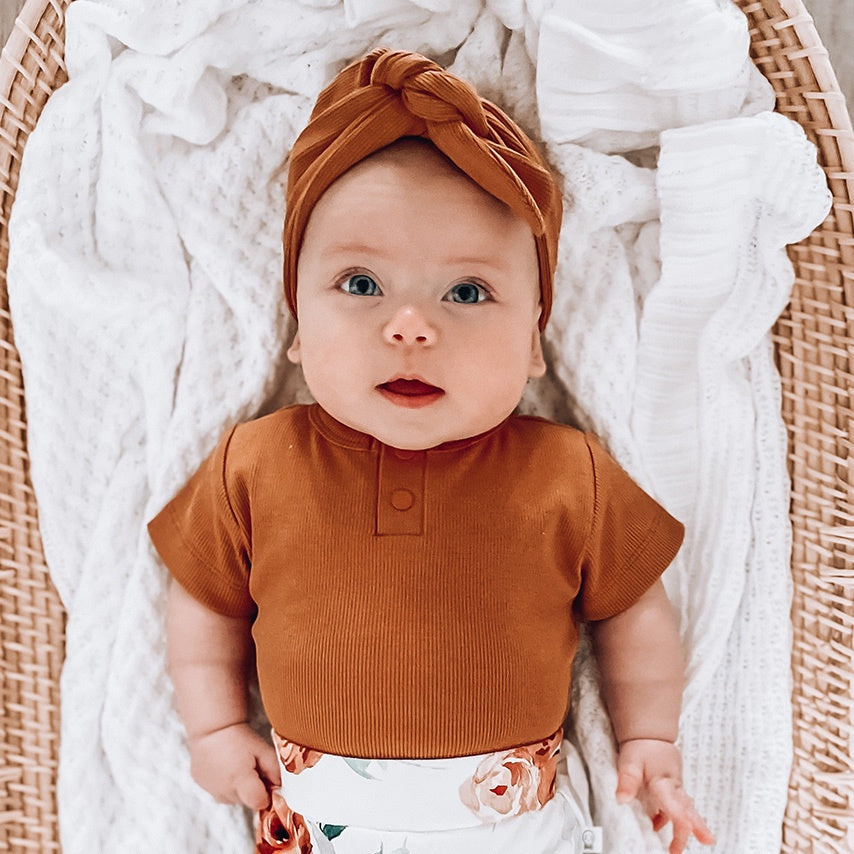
(418, 794)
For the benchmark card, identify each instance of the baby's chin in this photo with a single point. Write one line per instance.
(414, 439)
(416, 429)
(408, 439)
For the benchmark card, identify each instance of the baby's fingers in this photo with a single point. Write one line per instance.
(683, 830)
(677, 806)
(629, 781)
(252, 792)
(267, 765)
(702, 831)
(681, 835)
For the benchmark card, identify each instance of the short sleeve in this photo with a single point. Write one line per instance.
(632, 540)
(201, 539)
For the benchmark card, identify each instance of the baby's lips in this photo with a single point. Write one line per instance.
(410, 388)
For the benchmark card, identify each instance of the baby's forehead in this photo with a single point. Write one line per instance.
(413, 157)
(416, 162)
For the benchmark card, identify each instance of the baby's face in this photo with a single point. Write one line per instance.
(418, 302)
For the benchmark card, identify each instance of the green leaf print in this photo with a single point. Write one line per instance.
(360, 766)
(332, 831)
(402, 850)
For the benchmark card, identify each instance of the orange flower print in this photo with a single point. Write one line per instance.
(281, 829)
(512, 782)
(544, 754)
(294, 757)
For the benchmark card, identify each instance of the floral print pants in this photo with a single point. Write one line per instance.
(517, 800)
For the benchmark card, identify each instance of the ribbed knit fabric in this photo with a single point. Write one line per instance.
(413, 603)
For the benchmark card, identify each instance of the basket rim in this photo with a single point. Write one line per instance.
(22, 35)
(813, 48)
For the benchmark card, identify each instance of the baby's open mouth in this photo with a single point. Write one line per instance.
(411, 393)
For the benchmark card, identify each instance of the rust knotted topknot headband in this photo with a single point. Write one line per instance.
(388, 95)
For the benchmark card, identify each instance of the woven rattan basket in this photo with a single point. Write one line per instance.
(815, 347)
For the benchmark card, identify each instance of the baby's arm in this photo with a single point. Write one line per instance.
(640, 658)
(209, 655)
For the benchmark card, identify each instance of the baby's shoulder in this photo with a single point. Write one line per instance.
(553, 460)
(549, 446)
(541, 433)
(267, 435)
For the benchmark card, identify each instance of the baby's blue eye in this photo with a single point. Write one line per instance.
(467, 293)
(361, 285)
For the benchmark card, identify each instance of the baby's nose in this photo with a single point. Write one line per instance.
(409, 325)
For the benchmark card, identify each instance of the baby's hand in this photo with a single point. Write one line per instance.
(235, 765)
(651, 770)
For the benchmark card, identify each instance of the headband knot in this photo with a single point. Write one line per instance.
(388, 95)
(429, 92)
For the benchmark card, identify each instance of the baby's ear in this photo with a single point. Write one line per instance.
(537, 366)
(294, 351)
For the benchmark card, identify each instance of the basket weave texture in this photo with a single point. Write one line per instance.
(31, 615)
(815, 348)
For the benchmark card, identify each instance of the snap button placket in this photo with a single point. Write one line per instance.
(402, 499)
(400, 491)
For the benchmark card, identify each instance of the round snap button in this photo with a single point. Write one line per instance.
(402, 499)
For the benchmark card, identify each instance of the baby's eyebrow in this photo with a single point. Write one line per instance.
(352, 248)
(475, 261)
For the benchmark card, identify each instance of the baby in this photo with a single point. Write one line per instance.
(406, 560)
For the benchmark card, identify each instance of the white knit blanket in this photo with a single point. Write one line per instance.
(145, 283)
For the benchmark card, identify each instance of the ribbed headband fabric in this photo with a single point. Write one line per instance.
(388, 95)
